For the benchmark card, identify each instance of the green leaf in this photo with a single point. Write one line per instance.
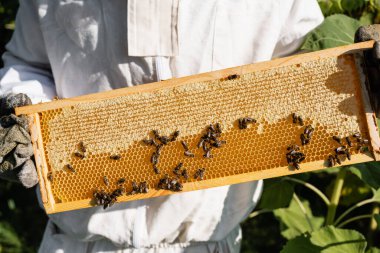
(376, 195)
(300, 244)
(368, 172)
(375, 4)
(352, 5)
(336, 30)
(327, 240)
(336, 240)
(336, 7)
(325, 6)
(9, 240)
(367, 18)
(354, 190)
(373, 250)
(277, 193)
(293, 220)
(377, 219)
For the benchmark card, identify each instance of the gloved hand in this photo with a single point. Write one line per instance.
(16, 149)
(372, 62)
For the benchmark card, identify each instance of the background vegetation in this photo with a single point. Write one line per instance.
(296, 214)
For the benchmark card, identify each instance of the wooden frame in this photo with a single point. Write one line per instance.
(33, 110)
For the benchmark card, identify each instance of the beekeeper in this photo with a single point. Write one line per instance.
(74, 47)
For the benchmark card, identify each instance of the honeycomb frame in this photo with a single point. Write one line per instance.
(250, 154)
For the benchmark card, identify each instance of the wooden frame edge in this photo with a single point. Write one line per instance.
(370, 115)
(41, 164)
(194, 78)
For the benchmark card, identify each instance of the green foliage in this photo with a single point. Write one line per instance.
(9, 241)
(336, 30)
(377, 219)
(277, 193)
(368, 172)
(327, 240)
(294, 221)
(337, 240)
(366, 18)
(354, 190)
(352, 5)
(353, 8)
(8, 10)
(373, 250)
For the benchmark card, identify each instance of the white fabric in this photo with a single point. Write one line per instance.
(152, 27)
(75, 47)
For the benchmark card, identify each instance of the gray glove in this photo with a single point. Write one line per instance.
(16, 149)
(372, 62)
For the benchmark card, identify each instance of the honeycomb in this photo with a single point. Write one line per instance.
(326, 92)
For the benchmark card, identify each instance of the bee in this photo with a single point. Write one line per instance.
(199, 174)
(185, 174)
(50, 176)
(82, 147)
(242, 123)
(177, 186)
(205, 147)
(154, 158)
(143, 187)
(164, 139)
(159, 149)
(337, 139)
(175, 135)
(149, 142)
(117, 193)
(201, 142)
(218, 128)
(348, 154)
(188, 153)
(208, 154)
(115, 157)
(78, 154)
(211, 128)
(232, 77)
(300, 158)
(163, 182)
(300, 120)
(304, 139)
(337, 159)
(349, 143)
(295, 117)
(250, 120)
(70, 167)
(156, 170)
(177, 169)
(293, 147)
(121, 181)
(155, 134)
(185, 146)
(135, 188)
(106, 181)
(340, 150)
(331, 161)
(309, 130)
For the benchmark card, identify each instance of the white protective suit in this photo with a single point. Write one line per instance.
(75, 47)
